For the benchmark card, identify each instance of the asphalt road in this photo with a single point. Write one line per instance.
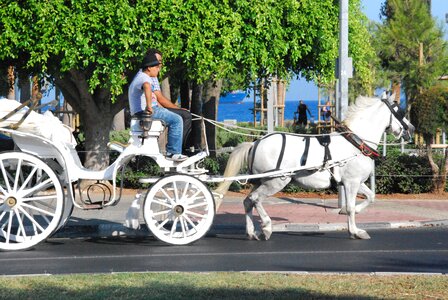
(422, 250)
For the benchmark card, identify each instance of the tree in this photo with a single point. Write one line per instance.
(429, 113)
(91, 49)
(412, 47)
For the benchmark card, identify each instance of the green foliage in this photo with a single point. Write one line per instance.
(429, 111)
(403, 174)
(121, 136)
(408, 25)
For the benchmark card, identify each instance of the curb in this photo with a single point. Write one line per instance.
(119, 230)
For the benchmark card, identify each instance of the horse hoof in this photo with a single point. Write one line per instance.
(252, 237)
(343, 211)
(361, 235)
(266, 235)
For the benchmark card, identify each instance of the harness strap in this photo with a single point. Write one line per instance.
(280, 157)
(305, 152)
(325, 141)
(355, 140)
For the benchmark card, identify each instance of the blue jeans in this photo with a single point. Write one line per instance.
(175, 128)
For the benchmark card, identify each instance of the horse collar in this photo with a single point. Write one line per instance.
(355, 140)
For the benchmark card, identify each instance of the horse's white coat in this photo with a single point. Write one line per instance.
(368, 118)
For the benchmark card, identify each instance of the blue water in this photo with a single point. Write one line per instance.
(242, 111)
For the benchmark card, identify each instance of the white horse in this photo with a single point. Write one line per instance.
(344, 158)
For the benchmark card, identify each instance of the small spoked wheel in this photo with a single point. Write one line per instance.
(31, 201)
(179, 209)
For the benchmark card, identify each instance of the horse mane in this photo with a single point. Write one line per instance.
(361, 103)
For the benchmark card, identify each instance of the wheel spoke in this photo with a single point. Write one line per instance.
(41, 186)
(8, 231)
(2, 190)
(40, 198)
(195, 214)
(2, 215)
(5, 176)
(190, 222)
(28, 178)
(18, 172)
(185, 191)
(192, 198)
(182, 226)
(162, 224)
(32, 207)
(20, 221)
(162, 203)
(176, 192)
(173, 228)
(161, 212)
(167, 196)
(197, 205)
(32, 220)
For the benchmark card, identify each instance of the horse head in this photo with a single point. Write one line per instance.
(399, 126)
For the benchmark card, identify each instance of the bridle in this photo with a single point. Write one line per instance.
(395, 113)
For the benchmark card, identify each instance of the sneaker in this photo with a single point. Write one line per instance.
(177, 157)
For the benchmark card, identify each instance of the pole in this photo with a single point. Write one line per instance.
(270, 106)
(344, 61)
(343, 75)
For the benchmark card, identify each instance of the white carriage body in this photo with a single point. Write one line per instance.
(49, 141)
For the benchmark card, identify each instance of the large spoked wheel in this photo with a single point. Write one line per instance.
(179, 209)
(31, 201)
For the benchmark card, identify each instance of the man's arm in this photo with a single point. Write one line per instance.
(148, 96)
(163, 100)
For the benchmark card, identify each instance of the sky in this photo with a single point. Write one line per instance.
(300, 89)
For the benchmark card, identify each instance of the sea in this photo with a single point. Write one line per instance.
(243, 111)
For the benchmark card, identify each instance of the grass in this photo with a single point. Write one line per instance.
(224, 286)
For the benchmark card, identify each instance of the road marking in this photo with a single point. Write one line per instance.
(221, 254)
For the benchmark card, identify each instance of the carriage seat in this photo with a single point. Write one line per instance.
(45, 125)
(144, 126)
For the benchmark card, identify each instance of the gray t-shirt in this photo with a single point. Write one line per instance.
(137, 100)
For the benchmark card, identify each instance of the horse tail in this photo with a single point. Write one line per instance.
(237, 159)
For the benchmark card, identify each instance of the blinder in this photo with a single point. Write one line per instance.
(398, 114)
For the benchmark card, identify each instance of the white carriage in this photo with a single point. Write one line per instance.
(36, 182)
(38, 178)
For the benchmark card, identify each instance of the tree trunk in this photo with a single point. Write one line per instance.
(436, 179)
(11, 80)
(210, 111)
(185, 98)
(36, 95)
(25, 88)
(96, 113)
(166, 91)
(118, 121)
(97, 138)
(196, 108)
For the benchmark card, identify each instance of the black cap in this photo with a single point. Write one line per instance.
(150, 60)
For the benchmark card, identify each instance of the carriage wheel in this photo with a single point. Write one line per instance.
(31, 201)
(179, 209)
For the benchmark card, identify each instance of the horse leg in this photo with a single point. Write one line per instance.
(364, 189)
(351, 190)
(266, 189)
(342, 199)
(250, 228)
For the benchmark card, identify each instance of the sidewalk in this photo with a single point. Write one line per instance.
(287, 214)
